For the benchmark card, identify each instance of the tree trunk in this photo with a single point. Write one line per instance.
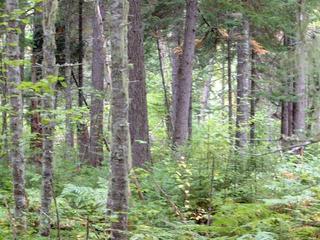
(175, 61)
(120, 147)
(138, 113)
(205, 98)
(82, 130)
(16, 121)
(97, 99)
(4, 102)
(301, 82)
(243, 78)
(36, 130)
(229, 83)
(161, 54)
(68, 78)
(253, 97)
(49, 71)
(184, 88)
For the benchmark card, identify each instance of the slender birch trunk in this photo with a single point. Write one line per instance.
(49, 72)
(120, 147)
(15, 114)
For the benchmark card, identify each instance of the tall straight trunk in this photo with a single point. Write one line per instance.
(4, 102)
(120, 147)
(36, 130)
(229, 83)
(68, 78)
(161, 55)
(82, 130)
(97, 99)
(301, 81)
(184, 88)
(138, 113)
(243, 82)
(253, 96)
(205, 98)
(177, 39)
(49, 71)
(16, 121)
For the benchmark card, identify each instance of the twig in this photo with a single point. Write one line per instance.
(88, 107)
(169, 200)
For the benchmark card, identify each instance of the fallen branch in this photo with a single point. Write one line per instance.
(289, 148)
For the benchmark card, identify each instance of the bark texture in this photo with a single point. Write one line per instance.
(16, 121)
(49, 72)
(301, 81)
(36, 130)
(68, 77)
(120, 147)
(138, 113)
(97, 99)
(184, 87)
(243, 82)
(82, 130)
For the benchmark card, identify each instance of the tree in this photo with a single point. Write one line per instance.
(300, 105)
(49, 73)
(184, 86)
(120, 146)
(82, 130)
(15, 114)
(98, 76)
(36, 130)
(68, 74)
(243, 80)
(138, 114)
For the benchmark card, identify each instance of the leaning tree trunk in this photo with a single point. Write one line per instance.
(138, 114)
(243, 82)
(184, 86)
(36, 141)
(120, 148)
(98, 76)
(301, 82)
(49, 72)
(15, 114)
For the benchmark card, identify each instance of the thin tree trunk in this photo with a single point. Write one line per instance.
(36, 130)
(253, 97)
(82, 130)
(4, 102)
(184, 88)
(205, 98)
(165, 90)
(120, 148)
(49, 71)
(229, 82)
(301, 82)
(138, 113)
(243, 78)
(16, 121)
(97, 99)
(68, 78)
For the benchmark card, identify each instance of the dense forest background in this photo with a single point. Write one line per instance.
(160, 119)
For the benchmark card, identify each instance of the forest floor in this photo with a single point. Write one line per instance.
(168, 204)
